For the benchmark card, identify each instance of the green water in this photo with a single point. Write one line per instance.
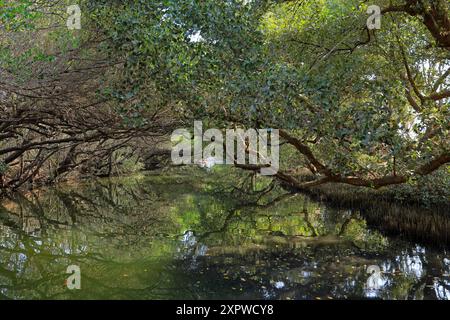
(195, 235)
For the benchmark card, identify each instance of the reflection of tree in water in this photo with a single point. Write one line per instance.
(114, 220)
(103, 207)
(315, 252)
(170, 238)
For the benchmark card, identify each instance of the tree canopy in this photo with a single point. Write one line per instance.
(354, 105)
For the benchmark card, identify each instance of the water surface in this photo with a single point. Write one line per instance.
(196, 235)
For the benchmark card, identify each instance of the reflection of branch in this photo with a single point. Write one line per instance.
(236, 209)
(309, 224)
(276, 200)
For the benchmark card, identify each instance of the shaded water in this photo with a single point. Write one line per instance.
(194, 236)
